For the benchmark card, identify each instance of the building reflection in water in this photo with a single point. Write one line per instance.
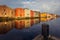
(20, 24)
(46, 19)
(5, 27)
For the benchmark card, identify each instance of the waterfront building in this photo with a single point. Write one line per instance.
(43, 15)
(27, 13)
(36, 14)
(54, 15)
(32, 14)
(19, 13)
(6, 11)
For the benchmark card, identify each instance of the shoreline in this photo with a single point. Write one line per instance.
(2, 19)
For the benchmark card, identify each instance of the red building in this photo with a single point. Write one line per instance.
(32, 14)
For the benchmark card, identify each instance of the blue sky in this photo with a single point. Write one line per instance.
(51, 6)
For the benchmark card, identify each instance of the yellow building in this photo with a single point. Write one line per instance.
(43, 15)
(48, 15)
(27, 12)
(6, 11)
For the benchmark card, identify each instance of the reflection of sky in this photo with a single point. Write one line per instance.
(24, 34)
(55, 27)
(52, 6)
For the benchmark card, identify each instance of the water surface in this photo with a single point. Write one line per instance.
(27, 29)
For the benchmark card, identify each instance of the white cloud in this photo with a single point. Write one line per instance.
(46, 7)
(28, 2)
(40, 5)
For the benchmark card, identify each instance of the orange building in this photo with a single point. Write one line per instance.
(19, 12)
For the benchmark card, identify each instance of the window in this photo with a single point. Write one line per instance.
(4, 10)
(12, 12)
(5, 13)
(27, 14)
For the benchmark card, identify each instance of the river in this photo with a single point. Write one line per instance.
(27, 29)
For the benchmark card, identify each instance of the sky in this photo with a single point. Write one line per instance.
(51, 6)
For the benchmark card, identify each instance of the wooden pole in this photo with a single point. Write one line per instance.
(45, 31)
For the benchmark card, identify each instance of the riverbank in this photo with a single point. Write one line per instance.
(10, 19)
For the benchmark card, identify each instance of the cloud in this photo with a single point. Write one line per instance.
(28, 2)
(39, 5)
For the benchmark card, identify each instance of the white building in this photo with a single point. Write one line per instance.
(36, 14)
(27, 12)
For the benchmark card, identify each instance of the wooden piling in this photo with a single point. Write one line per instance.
(45, 31)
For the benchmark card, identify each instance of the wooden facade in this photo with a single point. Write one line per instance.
(19, 12)
(6, 11)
